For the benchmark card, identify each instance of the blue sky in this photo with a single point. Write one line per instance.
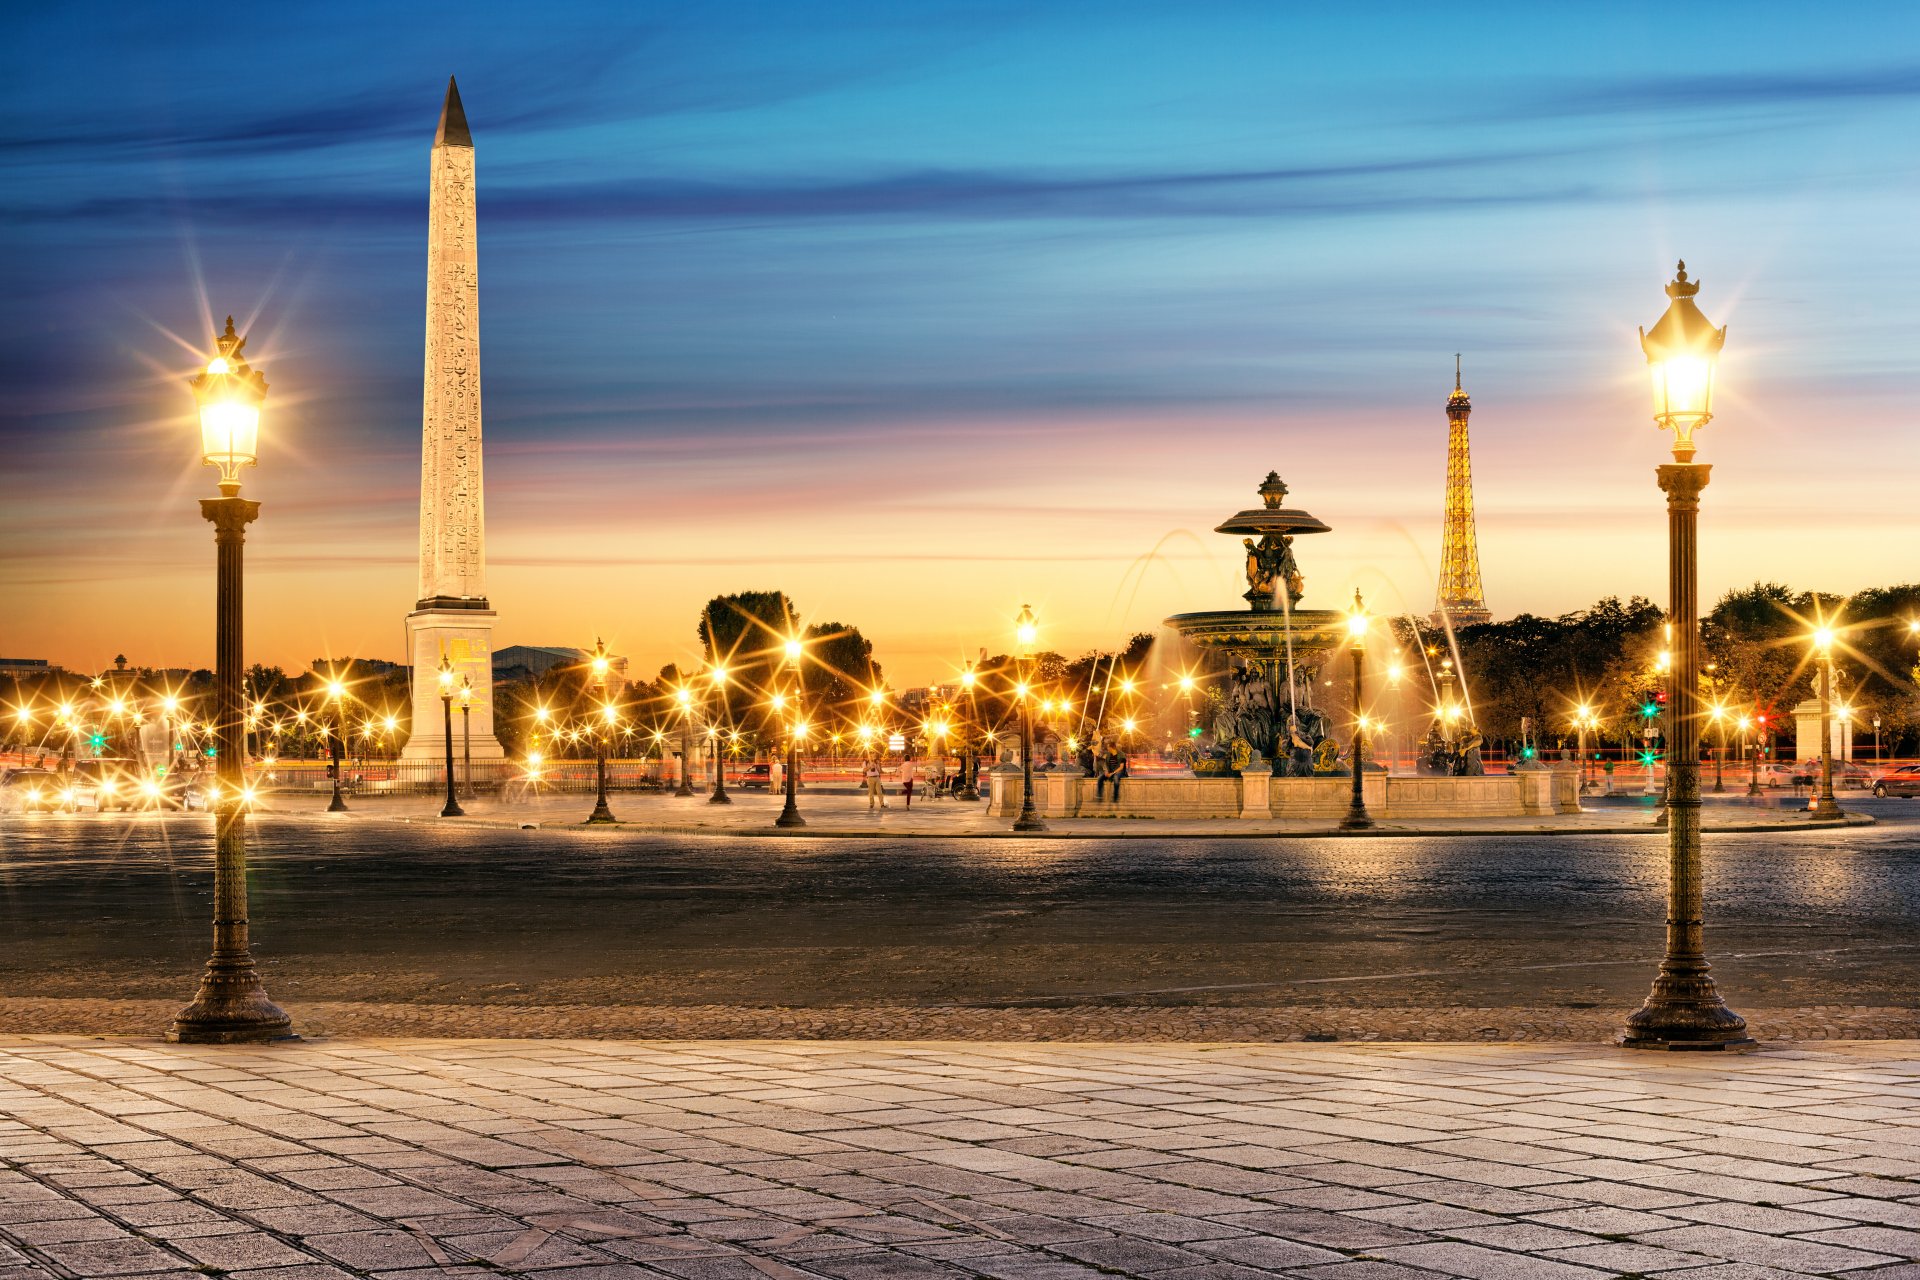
(920, 311)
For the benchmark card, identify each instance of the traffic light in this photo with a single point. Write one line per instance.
(1194, 732)
(98, 742)
(1660, 697)
(1649, 709)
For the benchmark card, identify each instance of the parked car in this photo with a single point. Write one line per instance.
(1903, 781)
(757, 777)
(30, 791)
(1806, 773)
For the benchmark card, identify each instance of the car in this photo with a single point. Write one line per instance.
(30, 791)
(756, 777)
(1903, 782)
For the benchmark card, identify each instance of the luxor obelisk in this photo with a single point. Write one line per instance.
(452, 616)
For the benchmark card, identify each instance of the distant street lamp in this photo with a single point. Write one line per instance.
(795, 726)
(1356, 818)
(970, 757)
(1582, 721)
(1719, 715)
(231, 1006)
(1877, 757)
(1684, 1010)
(452, 808)
(1750, 745)
(1026, 630)
(1824, 805)
(601, 666)
(335, 692)
(718, 679)
(466, 735)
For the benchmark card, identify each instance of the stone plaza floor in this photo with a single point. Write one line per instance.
(746, 1160)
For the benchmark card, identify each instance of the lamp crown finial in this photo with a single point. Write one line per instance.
(1681, 286)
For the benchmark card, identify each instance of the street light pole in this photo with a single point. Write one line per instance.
(452, 808)
(1720, 749)
(231, 1006)
(1824, 805)
(719, 795)
(1356, 818)
(466, 735)
(790, 813)
(601, 814)
(335, 690)
(1684, 1009)
(1025, 631)
(970, 761)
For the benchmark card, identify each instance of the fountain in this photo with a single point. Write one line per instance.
(1268, 654)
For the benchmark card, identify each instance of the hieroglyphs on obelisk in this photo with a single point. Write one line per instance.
(452, 618)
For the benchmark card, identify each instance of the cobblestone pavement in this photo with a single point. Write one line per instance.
(595, 1160)
(833, 814)
(384, 928)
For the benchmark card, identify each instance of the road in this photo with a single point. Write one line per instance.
(375, 911)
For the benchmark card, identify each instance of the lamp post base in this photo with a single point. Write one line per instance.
(719, 797)
(339, 804)
(1825, 807)
(1355, 820)
(601, 815)
(1684, 1013)
(453, 810)
(231, 1007)
(790, 817)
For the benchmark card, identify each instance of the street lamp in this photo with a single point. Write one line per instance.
(1719, 714)
(601, 666)
(1356, 818)
(335, 692)
(1751, 747)
(719, 796)
(231, 1006)
(1026, 630)
(466, 735)
(1684, 1010)
(452, 808)
(970, 759)
(1824, 805)
(1582, 721)
(790, 812)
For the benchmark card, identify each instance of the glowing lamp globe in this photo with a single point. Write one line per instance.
(229, 394)
(1682, 349)
(1026, 630)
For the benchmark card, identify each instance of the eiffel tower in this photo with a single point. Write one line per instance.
(1462, 601)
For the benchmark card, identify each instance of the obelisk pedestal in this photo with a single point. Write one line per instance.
(452, 618)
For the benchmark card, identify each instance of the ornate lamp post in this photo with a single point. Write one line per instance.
(466, 735)
(601, 813)
(231, 1006)
(1356, 818)
(1684, 1010)
(1719, 715)
(970, 749)
(1026, 630)
(719, 796)
(683, 698)
(452, 808)
(795, 726)
(1582, 721)
(1824, 805)
(336, 691)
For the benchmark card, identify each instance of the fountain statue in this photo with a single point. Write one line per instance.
(1266, 656)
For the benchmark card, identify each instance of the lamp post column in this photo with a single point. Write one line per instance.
(1719, 753)
(231, 1006)
(686, 752)
(790, 812)
(339, 761)
(1029, 819)
(466, 743)
(719, 795)
(1753, 762)
(452, 808)
(1356, 818)
(601, 812)
(1824, 805)
(1684, 1009)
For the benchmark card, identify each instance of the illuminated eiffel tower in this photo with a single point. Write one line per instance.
(1462, 600)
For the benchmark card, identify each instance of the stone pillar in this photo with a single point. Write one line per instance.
(1256, 791)
(1059, 790)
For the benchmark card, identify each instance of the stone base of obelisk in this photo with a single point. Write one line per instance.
(463, 632)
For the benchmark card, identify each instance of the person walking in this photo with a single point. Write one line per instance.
(906, 777)
(876, 794)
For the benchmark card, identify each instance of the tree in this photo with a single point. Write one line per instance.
(746, 633)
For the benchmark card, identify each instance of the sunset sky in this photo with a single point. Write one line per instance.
(919, 312)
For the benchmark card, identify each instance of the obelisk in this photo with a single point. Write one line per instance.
(452, 618)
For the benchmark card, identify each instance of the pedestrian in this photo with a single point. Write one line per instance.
(937, 774)
(876, 794)
(906, 777)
